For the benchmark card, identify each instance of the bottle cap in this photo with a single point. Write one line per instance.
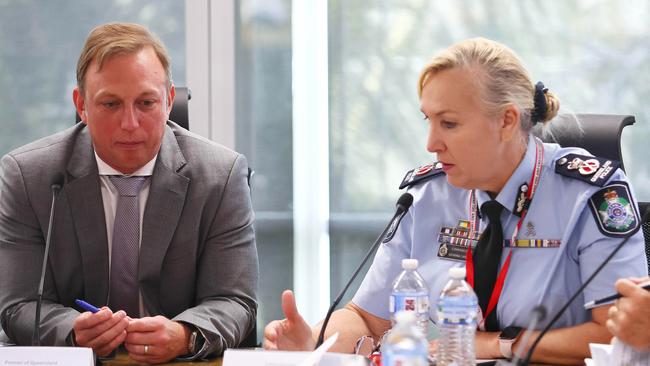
(410, 263)
(457, 273)
(405, 317)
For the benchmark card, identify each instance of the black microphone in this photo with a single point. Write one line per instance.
(56, 187)
(403, 204)
(557, 316)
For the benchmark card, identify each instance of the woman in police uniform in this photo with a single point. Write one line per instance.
(528, 220)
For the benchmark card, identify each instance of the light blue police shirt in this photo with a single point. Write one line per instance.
(547, 276)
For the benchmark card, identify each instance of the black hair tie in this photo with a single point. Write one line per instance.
(540, 105)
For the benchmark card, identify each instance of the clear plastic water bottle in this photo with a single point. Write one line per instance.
(404, 345)
(411, 293)
(457, 316)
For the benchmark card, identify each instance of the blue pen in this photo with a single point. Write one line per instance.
(86, 306)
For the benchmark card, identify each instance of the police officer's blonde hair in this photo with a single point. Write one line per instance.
(113, 39)
(499, 74)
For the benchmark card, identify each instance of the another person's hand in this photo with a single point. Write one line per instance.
(629, 318)
(156, 339)
(102, 331)
(291, 333)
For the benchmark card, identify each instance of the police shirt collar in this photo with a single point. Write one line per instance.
(521, 175)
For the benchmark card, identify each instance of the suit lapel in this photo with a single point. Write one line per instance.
(161, 217)
(87, 209)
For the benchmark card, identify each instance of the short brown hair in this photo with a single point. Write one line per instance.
(112, 39)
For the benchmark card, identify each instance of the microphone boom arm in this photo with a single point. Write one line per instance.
(36, 335)
(403, 204)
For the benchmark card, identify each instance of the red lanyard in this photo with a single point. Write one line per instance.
(469, 261)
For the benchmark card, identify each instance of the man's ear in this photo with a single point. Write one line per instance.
(80, 104)
(510, 124)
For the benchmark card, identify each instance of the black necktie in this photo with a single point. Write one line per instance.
(487, 257)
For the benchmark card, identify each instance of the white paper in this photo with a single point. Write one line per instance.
(601, 354)
(315, 357)
(46, 356)
(617, 354)
(320, 357)
(260, 357)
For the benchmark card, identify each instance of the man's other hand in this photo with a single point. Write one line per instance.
(102, 331)
(156, 339)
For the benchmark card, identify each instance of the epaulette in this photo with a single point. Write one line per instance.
(589, 169)
(421, 174)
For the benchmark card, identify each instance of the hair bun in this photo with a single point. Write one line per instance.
(546, 104)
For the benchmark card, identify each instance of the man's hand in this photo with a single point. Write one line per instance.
(291, 333)
(629, 318)
(102, 331)
(156, 339)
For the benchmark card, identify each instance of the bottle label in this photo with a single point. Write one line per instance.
(455, 311)
(412, 302)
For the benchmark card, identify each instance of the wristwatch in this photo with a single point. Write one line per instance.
(191, 344)
(195, 341)
(507, 338)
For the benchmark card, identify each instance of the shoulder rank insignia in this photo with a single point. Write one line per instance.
(590, 169)
(420, 174)
(614, 210)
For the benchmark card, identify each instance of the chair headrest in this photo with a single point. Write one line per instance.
(180, 113)
(600, 134)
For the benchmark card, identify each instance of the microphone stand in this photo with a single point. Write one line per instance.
(394, 222)
(36, 335)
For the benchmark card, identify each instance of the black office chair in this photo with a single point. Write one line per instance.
(600, 134)
(179, 113)
(645, 226)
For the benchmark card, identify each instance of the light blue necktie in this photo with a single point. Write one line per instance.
(124, 289)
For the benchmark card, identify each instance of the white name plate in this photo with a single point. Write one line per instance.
(260, 357)
(46, 356)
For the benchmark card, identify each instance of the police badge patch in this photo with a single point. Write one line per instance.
(614, 210)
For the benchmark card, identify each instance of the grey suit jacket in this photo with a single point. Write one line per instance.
(198, 261)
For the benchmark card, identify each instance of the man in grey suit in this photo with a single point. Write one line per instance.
(195, 259)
